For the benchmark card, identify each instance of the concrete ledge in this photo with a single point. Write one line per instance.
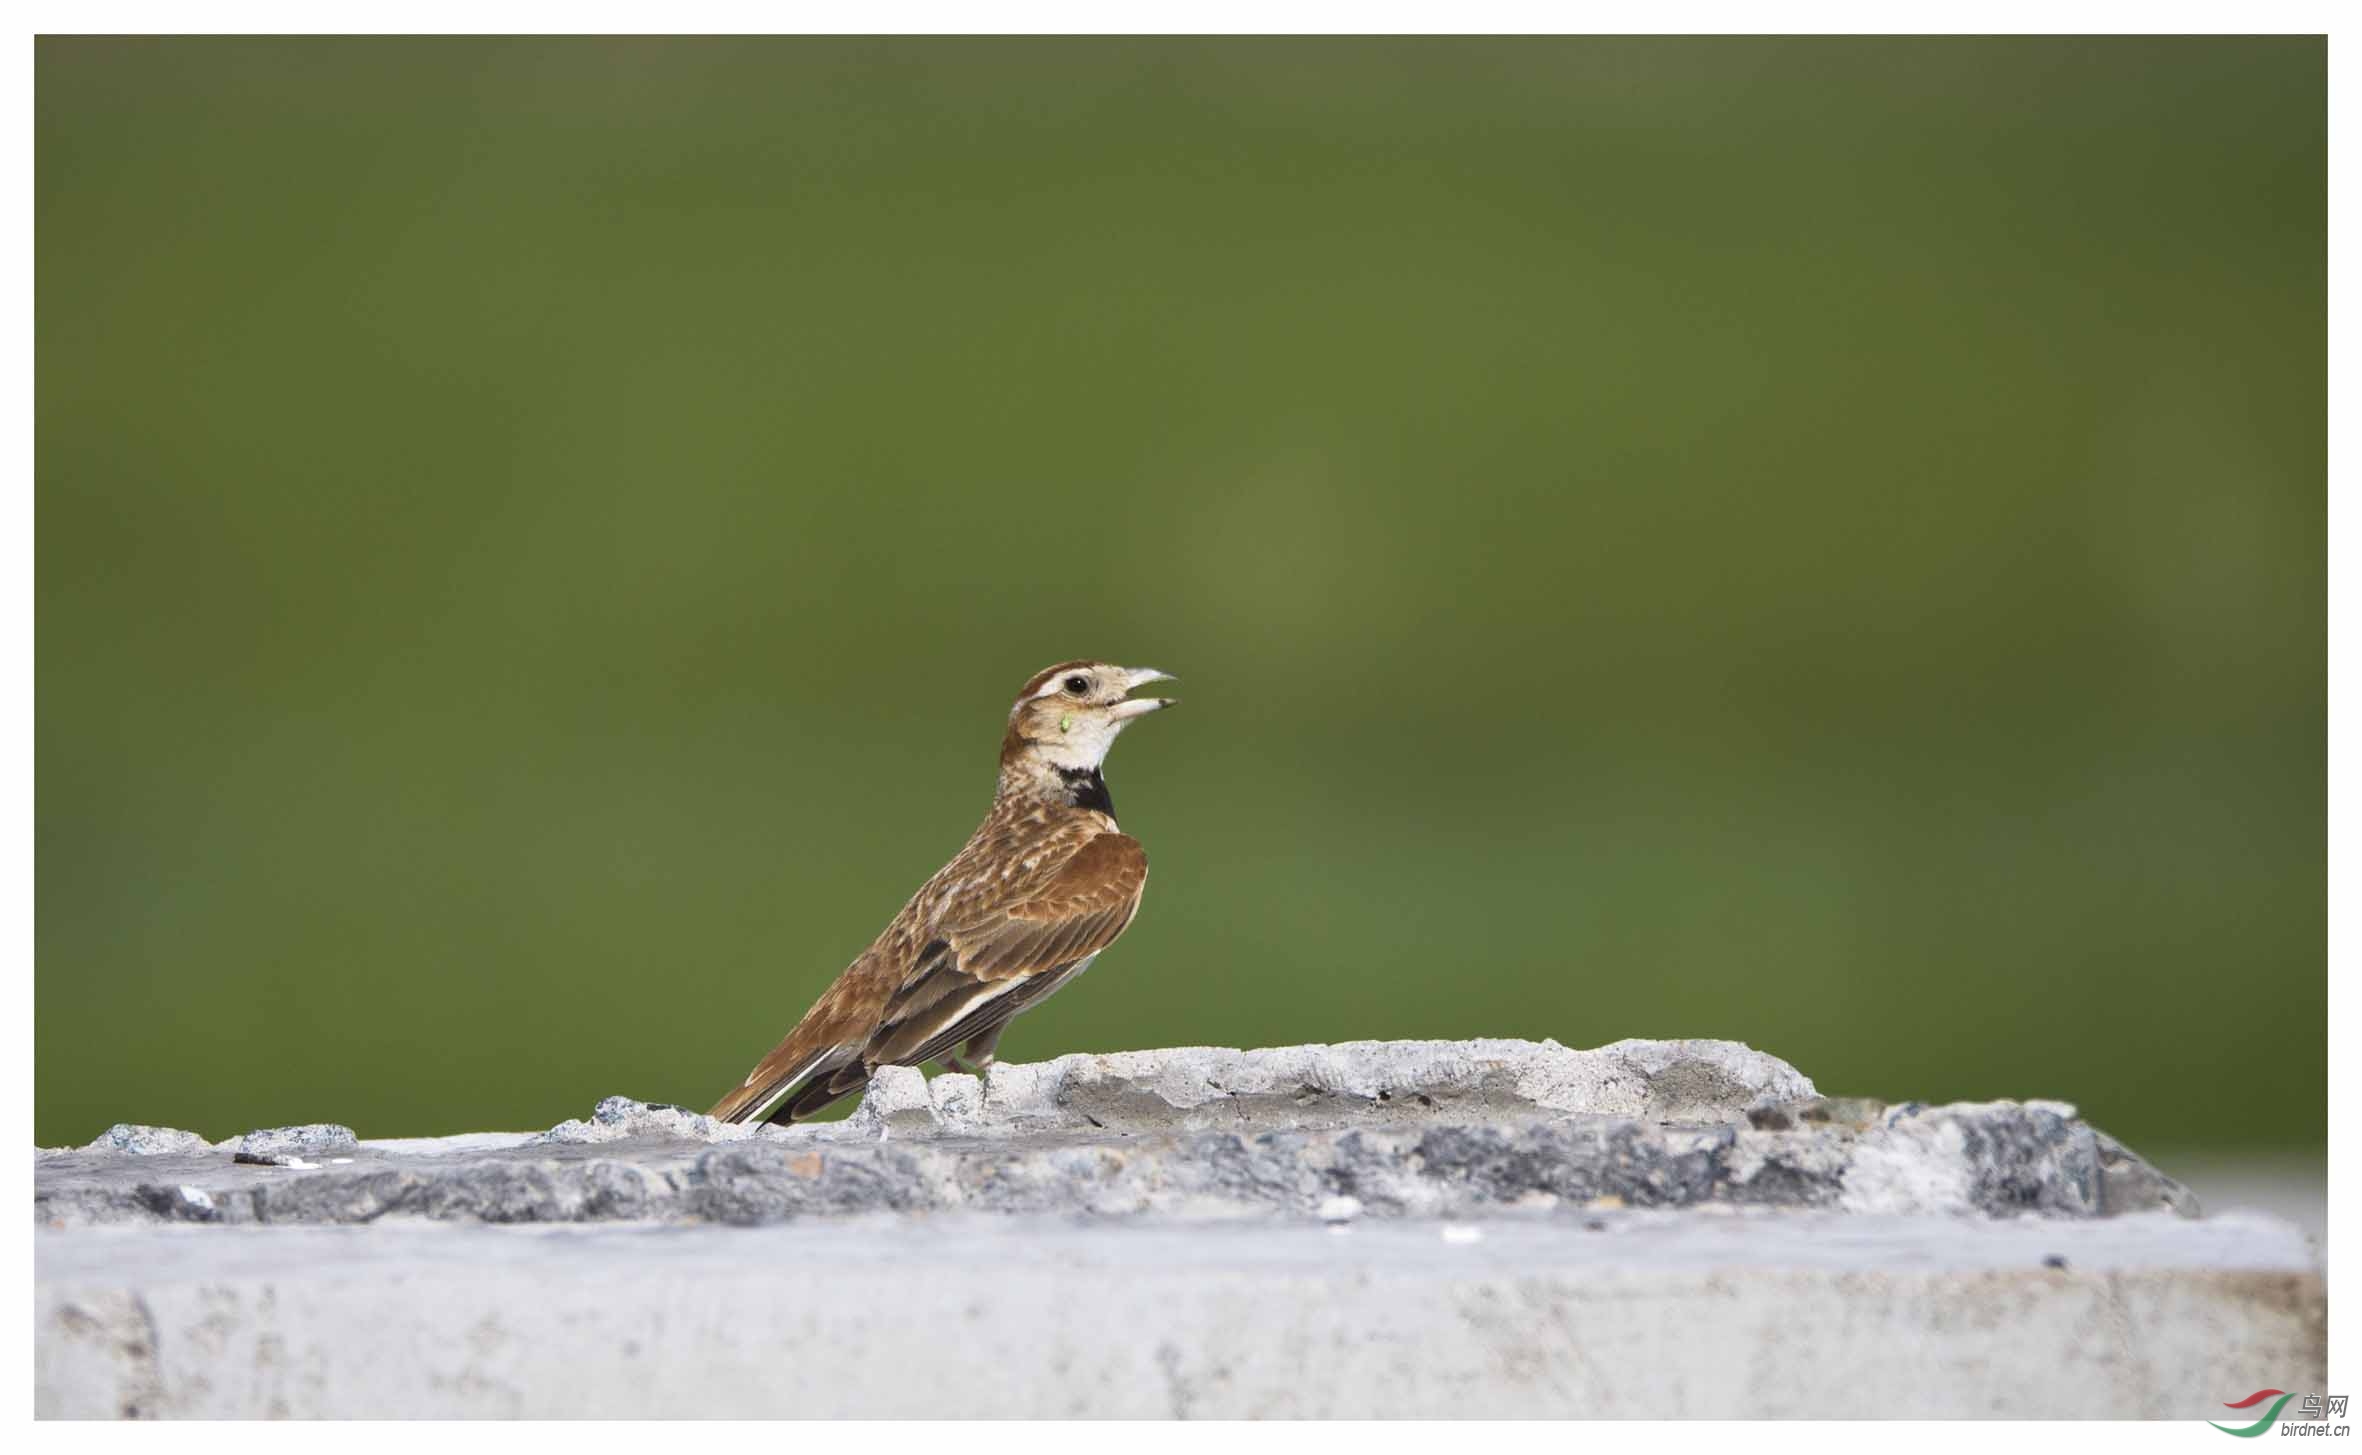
(1480, 1228)
(1610, 1314)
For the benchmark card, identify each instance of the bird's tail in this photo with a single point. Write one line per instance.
(769, 1083)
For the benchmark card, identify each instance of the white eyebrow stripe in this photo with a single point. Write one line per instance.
(1056, 684)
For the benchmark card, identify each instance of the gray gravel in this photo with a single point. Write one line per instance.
(1393, 1129)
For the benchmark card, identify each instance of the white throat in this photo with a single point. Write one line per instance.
(1080, 744)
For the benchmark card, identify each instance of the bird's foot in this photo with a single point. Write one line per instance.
(976, 1069)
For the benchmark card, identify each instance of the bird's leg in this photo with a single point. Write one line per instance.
(977, 1056)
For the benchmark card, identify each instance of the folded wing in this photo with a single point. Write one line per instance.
(977, 974)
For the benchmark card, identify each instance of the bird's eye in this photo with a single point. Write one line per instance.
(1078, 685)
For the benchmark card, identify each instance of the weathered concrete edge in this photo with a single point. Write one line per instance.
(1443, 1128)
(1993, 1161)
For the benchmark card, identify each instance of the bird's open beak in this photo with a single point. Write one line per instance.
(1135, 677)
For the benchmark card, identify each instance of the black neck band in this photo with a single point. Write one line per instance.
(1087, 789)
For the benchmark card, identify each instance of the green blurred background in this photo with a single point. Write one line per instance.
(1818, 542)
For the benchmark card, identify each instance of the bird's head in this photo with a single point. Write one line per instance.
(1067, 717)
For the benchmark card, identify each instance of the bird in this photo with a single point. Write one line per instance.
(1045, 884)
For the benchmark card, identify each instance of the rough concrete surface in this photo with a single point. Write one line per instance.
(1420, 1128)
(1381, 1228)
(1618, 1314)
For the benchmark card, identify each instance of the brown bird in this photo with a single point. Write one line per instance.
(1045, 883)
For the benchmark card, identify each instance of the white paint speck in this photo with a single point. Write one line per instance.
(196, 1196)
(1340, 1209)
(1462, 1233)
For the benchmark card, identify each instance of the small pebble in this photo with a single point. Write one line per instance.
(284, 1142)
(140, 1141)
(1340, 1209)
(276, 1159)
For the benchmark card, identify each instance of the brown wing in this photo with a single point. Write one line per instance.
(977, 974)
